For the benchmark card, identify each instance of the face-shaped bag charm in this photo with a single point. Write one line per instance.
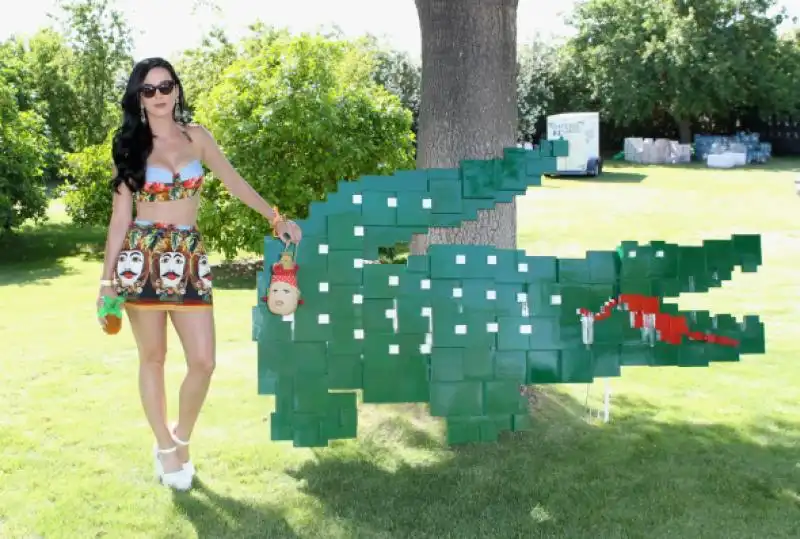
(283, 295)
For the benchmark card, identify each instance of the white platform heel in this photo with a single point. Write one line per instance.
(188, 466)
(179, 479)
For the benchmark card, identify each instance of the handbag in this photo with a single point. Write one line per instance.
(111, 310)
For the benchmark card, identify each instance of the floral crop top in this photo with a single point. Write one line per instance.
(161, 185)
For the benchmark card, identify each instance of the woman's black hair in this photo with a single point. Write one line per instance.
(133, 140)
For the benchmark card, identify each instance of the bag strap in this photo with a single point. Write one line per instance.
(292, 248)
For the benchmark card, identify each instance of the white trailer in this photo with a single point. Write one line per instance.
(582, 131)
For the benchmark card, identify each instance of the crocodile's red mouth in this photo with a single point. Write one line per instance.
(646, 312)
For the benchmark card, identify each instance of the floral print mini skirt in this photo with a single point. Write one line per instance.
(163, 266)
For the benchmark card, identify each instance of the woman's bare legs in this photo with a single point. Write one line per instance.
(196, 331)
(150, 331)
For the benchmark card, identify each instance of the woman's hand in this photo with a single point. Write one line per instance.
(104, 291)
(288, 231)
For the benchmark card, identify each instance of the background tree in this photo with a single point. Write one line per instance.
(201, 68)
(294, 119)
(101, 44)
(468, 105)
(49, 60)
(22, 159)
(402, 76)
(685, 58)
(536, 86)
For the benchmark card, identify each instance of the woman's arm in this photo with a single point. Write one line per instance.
(222, 168)
(121, 212)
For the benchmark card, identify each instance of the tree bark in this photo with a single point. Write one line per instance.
(468, 107)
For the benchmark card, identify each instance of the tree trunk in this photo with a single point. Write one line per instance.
(468, 106)
(684, 131)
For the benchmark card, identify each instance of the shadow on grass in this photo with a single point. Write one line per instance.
(634, 477)
(214, 515)
(607, 176)
(37, 253)
(776, 164)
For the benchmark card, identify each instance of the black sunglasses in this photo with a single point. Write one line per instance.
(165, 87)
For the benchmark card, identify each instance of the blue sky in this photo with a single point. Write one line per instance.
(164, 27)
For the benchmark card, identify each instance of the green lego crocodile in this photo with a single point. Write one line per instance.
(465, 327)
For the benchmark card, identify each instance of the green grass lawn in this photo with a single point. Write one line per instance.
(689, 453)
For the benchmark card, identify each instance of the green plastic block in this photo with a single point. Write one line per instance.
(415, 210)
(411, 317)
(510, 299)
(545, 165)
(521, 422)
(447, 364)
(752, 337)
(389, 378)
(267, 377)
(379, 208)
(478, 363)
(463, 431)
(281, 426)
(343, 202)
(599, 267)
(345, 371)
(345, 267)
(313, 259)
(411, 180)
(317, 221)
(607, 359)
(312, 326)
(576, 365)
(614, 330)
(275, 329)
(560, 148)
(310, 396)
(382, 280)
(664, 355)
(720, 258)
(748, 250)
(636, 354)
(478, 178)
(512, 176)
(537, 269)
(503, 397)
(445, 190)
(542, 367)
(693, 269)
(450, 220)
(514, 333)
(460, 364)
(308, 431)
(348, 229)
(350, 342)
(257, 320)
(418, 264)
(341, 420)
(284, 395)
(378, 316)
(510, 365)
(462, 261)
(456, 398)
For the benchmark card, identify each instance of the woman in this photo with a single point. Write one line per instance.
(157, 261)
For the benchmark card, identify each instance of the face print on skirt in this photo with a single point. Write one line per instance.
(132, 269)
